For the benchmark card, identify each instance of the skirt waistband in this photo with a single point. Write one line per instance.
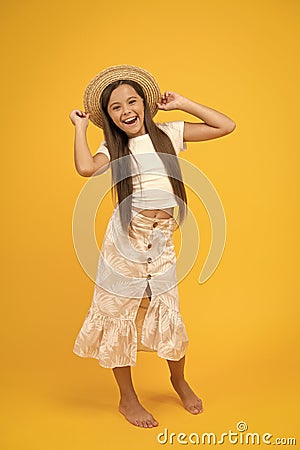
(138, 216)
(140, 220)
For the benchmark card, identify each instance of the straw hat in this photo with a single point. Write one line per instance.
(93, 92)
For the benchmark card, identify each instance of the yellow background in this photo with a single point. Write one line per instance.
(243, 324)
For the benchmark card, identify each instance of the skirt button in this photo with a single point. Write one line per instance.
(155, 224)
(148, 276)
(149, 260)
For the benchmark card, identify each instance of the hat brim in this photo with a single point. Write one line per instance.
(93, 92)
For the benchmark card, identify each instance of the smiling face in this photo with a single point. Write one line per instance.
(126, 109)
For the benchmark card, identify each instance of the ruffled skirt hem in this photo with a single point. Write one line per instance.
(114, 342)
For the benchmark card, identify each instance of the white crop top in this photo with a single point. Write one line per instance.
(151, 186)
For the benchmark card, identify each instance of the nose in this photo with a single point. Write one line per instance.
(126, 110)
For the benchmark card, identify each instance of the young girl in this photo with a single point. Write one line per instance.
(135, 305)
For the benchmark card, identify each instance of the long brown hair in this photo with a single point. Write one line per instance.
(117, 144)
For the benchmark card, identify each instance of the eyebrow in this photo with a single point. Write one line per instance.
(115, 103)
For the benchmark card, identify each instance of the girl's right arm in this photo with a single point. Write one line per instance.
(86, 164)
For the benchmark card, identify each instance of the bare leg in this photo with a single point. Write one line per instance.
(189, 399)
(129, 404)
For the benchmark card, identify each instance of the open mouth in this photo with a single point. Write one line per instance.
(130, 120)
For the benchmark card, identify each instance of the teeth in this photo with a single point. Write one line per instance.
(129, 120)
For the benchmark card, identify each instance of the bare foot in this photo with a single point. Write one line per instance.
(189, 399)
(134, 412)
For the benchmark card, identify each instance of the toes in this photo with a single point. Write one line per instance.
(154, 422)
(200, 406)
(150, 423)
(193, 409)
(146, 422)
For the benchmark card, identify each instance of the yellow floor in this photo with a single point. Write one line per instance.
(78, 410)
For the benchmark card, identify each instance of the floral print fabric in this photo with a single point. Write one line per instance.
(122, 318)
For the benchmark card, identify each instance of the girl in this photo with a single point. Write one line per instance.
(135, 305)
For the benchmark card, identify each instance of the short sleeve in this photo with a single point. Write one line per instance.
(103, 149)
(175, 132)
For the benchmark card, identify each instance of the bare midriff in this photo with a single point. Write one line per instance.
(156, 213)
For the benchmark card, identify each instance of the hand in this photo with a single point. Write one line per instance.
(170, 100)
(79, 117)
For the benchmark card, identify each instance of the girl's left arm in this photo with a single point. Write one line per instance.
(215, 125)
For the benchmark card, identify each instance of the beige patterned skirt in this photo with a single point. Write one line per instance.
(135, 304)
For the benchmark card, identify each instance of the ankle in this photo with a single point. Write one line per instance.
(128, 396)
